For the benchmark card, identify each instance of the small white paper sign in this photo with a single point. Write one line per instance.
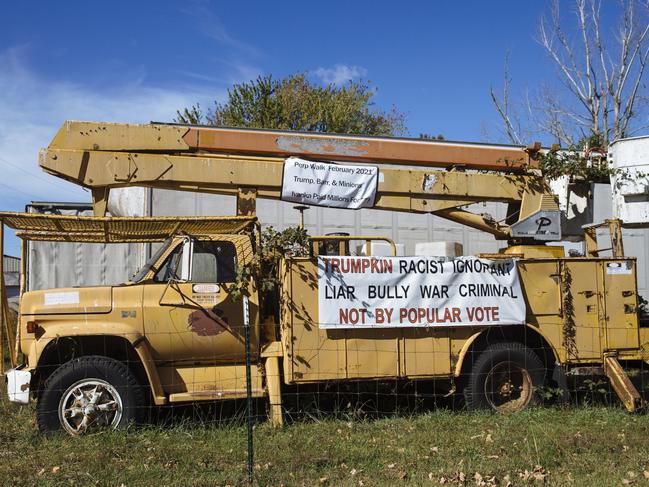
(69, 297)
(325, 184)
(613, 268)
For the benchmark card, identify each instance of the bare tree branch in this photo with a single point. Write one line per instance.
(504, 109)
(604, 92)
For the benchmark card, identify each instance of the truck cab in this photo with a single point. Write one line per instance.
(174, 332)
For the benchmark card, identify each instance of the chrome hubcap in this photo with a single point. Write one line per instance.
(90, 403)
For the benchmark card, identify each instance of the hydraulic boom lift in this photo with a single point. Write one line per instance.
(249, 163)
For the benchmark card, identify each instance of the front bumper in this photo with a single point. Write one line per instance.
(18, 385)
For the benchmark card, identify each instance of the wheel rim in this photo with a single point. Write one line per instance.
(89, 404)
(508, 387)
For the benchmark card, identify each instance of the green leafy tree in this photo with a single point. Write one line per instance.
(295, 103)
(292, 103)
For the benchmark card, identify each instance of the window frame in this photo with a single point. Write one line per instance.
(184, 248)
(189, 267)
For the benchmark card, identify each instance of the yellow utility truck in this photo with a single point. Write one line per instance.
(495, 327)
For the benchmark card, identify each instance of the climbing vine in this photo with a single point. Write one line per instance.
(264, 266)
(579, 166)
(569, 326)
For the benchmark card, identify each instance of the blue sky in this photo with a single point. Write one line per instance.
(140, 61)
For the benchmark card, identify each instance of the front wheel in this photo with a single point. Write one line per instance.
(504, 378)
(89, 393)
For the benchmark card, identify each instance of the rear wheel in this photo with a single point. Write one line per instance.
(90, 393)
(504, 378)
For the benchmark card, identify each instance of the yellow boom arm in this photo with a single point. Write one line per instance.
(415, 175)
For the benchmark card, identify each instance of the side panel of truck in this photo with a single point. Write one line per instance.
(578, 308)
(314, 354)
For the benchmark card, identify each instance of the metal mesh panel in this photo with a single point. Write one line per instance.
(118, 229)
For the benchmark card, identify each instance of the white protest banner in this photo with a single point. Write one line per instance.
(402, 292)
(325, 184)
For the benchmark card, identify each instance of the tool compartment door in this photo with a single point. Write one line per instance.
(580, 286)
(426, 352)
(311, 354)
(620, 304)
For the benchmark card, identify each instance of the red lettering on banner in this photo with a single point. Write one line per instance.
(352, 316)
(456, 315)
(383, 315)
(429, 316)
(488, 313)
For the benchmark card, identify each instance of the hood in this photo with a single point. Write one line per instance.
(73, 300)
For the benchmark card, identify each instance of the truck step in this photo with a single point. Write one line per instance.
(622, 385)
(213, 395)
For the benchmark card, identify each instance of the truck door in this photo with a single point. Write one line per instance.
(189, 315)
(620, 300)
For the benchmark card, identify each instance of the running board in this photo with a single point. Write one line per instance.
(622, 385)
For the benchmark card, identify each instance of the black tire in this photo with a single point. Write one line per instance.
(504, 377)
(114, 379)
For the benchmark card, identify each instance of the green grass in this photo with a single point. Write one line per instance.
(573, 446)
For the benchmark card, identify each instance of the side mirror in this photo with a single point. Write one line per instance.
(172, 294)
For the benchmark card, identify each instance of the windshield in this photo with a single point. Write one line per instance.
(139, 275)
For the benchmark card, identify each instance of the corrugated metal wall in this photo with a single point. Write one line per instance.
(57, 265)
(11, 263)
(401, 227)
(66, 264)
(11, 267)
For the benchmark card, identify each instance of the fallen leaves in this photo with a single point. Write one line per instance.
(631, 477)
(481, 481)
(458, 478)
(538, 474)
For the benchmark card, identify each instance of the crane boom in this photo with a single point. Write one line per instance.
(249, 164)
(392, 150)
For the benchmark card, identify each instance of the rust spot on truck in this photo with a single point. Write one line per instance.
(322, 145)
(205, 322)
